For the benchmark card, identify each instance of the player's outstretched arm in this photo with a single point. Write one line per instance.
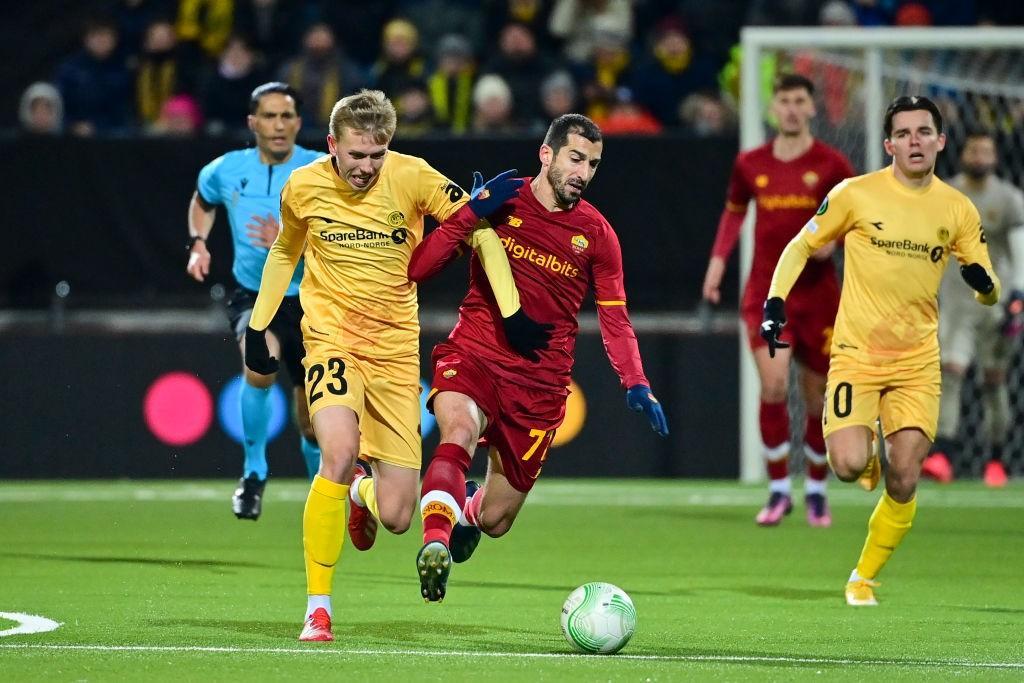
(444, 243)
(280, 265)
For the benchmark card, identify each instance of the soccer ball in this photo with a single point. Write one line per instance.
(598, 617)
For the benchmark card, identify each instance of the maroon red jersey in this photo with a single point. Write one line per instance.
(556, 257)
(787, 194)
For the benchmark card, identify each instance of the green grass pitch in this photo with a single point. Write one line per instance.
(158, 581)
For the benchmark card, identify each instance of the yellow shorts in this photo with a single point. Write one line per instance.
(383, 392)
(858, 394)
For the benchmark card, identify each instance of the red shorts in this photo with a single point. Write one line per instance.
(808, 327)
(521, 421)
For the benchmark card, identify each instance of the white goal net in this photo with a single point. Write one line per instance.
(975, 75)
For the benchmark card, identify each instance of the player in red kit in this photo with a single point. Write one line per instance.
(559, 247)
(788, 178)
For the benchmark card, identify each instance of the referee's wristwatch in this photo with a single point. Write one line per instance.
(192, 241)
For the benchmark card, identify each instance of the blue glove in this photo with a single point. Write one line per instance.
(640, 399)
(478, 184)
(494, 193)
(774, 321)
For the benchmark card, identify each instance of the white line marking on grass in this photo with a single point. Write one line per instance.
(726, 659)
(557, 493)
(27, 623)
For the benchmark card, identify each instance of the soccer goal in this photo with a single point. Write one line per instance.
(975, 75)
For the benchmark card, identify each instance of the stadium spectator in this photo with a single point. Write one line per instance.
(357, 25)
(179, 117)
(206, 24)
(273, 27)
(670, 72)
(41, 111)
(558, 96)
(627, 117)
(451, 84)
(705, 114)
(913, 14)
(837, 13)
(523, 67)
(163, 70)
(580, 24)
(492, 105)
(95, 83)
(225, 86)
(322, 74)
(400, 64)
(415, 116)
(607, 71)
(533, 14)
(874, 12)
(133, 16)
(437, 18)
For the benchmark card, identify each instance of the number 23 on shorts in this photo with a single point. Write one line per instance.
(336, 384)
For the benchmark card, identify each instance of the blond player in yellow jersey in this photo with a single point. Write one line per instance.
(356, 215)
(900, 225)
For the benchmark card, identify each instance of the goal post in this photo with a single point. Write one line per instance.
(876, 65)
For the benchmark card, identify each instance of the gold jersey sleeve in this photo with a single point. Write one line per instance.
(356, 291)
(897, 243)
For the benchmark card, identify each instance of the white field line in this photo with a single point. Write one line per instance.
(27, 623)
(725, 659)
(622, 494)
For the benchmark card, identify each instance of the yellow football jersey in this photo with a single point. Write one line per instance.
(356, 290)
(897, 243)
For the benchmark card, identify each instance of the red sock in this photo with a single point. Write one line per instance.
(818, 471)
(443, 491)
(774, 433)
(813, 436)
(778, 469)
(775, 424)
(471, 511)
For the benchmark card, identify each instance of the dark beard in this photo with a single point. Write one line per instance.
(977, 172)
(557, 181)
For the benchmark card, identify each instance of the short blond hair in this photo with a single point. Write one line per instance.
(369, 112)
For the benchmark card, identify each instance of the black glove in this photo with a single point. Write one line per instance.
(1013, 315)
(976, 277)
(257, 356)
(494, 193)
(774, 321)
(525, 335)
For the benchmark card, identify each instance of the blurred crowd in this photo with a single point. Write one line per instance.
(186, 67)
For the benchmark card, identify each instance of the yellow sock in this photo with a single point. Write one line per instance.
(368, 492)
(889, 523)
(323, 522)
